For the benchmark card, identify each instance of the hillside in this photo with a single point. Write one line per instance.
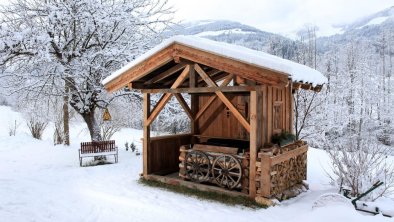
(228, 31)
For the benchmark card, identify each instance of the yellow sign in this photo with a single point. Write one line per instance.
(106, 115)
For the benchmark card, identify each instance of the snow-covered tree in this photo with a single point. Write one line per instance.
(65, 48)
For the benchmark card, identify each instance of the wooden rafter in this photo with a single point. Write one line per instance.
(212, 98)
(223, 98)
(166, 73)
(210, 73)
(167, 96)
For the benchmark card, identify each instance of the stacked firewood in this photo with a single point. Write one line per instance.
(245, 173)
(182, 155)
(280, 173)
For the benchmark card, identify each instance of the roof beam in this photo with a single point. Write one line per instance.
(166, 73)
(224, 89)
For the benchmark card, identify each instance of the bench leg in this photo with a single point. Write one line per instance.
(80, 161)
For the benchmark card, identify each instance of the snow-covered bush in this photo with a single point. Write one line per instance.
(358, 163)
(132, 147)
(12, 128)
(36, 127)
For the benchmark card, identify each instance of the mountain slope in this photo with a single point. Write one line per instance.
(228, 31)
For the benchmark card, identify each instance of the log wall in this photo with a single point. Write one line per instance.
(164, 153)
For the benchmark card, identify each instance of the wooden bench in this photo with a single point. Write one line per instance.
(98, 148)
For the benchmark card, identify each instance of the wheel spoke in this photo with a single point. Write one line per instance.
(234, 173)
(221, 181)
(232, 180)
(233, 167)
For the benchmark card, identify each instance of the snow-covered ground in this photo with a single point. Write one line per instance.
(42, 182)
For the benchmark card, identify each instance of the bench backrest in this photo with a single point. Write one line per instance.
(98, 146)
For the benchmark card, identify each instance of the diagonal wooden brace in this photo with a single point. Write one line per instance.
(223, 98)
(226, 81)
(167, 96)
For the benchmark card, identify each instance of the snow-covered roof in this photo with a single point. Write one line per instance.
(296, 71)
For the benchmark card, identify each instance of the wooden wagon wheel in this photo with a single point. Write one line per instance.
(227, 171)
(197, 166)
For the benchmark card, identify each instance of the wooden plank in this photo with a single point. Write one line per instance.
(184, 105)
(146, 137)
(289, 154)
(255, 137)
(217, 149)
(202, 89)
(212, 98)
(166, 97)
(156, 138)
(223, 98)
(217, 137)
(166, 73)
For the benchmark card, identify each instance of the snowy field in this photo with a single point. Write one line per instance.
(42, 182)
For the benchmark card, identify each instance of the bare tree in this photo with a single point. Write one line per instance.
(358, 163)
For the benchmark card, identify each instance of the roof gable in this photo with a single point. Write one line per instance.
(247, 63)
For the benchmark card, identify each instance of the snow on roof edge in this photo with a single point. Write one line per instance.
(296, 71)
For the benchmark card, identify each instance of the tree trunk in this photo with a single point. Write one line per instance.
(66, 115)
(92, 124)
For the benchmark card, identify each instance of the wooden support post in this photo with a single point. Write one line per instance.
(194, 103)
(265, 177)
(269, 121)
(255, 136)
(146, 142)
(291, 110)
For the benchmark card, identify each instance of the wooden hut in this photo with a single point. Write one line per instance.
(239, 98)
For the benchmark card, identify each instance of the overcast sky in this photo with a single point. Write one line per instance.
(280, 16)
